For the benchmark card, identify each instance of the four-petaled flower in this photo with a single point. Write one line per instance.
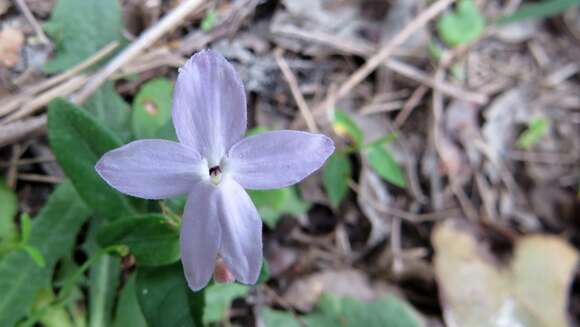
(213, 163)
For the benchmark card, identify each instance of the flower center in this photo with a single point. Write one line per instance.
(215, 174)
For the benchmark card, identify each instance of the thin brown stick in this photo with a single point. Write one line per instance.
(14, 102)
(293, 84)
(42, 100)
(387, 50)
(13, 168)
(40, 178)
(365, 49)
(145, 40)
(31, 161)
(413, 102)
(14, 131)
(23, 7)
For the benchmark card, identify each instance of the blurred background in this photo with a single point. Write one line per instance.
(453, 198)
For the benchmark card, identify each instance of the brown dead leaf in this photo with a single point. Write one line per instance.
(4, 5)
(303, 294)
(476, 291)
(11, 42)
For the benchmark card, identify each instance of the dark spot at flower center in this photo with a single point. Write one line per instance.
(215, 171)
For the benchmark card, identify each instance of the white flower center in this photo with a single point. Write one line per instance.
(215, 175)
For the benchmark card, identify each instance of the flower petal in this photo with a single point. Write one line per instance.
(241, 227)
(209, 105)
(200, 235)
(277, 159)
(152, 169)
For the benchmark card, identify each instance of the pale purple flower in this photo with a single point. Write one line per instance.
(213, 163)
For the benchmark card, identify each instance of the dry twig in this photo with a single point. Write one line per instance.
(386, 51)
(293, 84)
(145, 40)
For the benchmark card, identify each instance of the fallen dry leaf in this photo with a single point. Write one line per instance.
(477, 291)
(11, 42)
(4, 5)
(304, 293)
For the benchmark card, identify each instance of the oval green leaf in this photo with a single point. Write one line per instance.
(152, 239)
(463, 26)
(166, 300)
(336, 174)
(152, 108)
(78, 141)
(8, 209)
(386, 166)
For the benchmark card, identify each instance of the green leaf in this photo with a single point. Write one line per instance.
(218, 298)
(152, 239)
(111, 111)
(209, 20)
(54, 316)
(128, 312)
(53, 232)
(264, 272)
(81, 28)
(386, 166)
(537, 129)
(256, 130)
(152, 108)
(272, 204)
(463, 26)
(26, 226)
(347, 312)
(78, 141)
(35, 254)
(294, 203)
(337, 171)
(166, 300)
(345, 126)
(103, 284)
(8, 209)
(542, 9)
(103, 280)
(277, 318)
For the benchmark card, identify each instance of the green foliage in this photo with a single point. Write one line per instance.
(218, 298)
(103, 279)
(35, 254)
(537, 129)
(81, 28)
(110, 110)
(128, 312)
(8, 209)
(336, 174)
(209, 21)
(78, 141)
(152, 108)
(166, 300)
(264, 272)
(345, 126)
(153, 239)
(536, 10)
(53, 232)
(347, 312)
(25, 227)
(462, 26)
(272, 204)
(386, 166)
(102, 286)
(55, 316)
